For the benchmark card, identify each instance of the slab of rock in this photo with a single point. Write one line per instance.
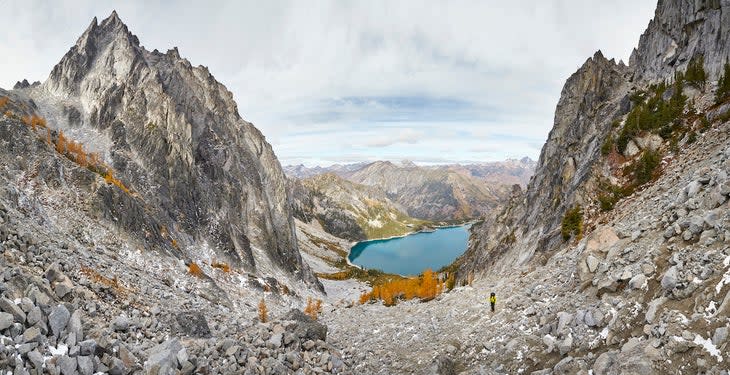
(601, 239)
(88, 347)
(193, 324)
(566, 345)
(86, 365)
(11, 308)
(592, 263)
(638, 282)
(6, 320)
(653, 306)
(163, 356)
(720, 336)
(58, 319)
(121, 323)
(307, 328)
(67, 365)
(32, 334)
(564, 319)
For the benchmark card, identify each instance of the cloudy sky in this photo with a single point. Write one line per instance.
(345, 81)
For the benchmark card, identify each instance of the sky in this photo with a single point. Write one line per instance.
(349, 81)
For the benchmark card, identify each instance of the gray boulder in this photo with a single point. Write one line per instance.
(720, 336)
(669, 281)
(9, 307)
(67, 365)
(193, 324)
(6, 320)
(638, 281)
(592, 263)
(58, 319)
(306, 328)
(163, 356)
(121, 323)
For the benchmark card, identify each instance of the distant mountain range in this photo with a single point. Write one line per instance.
(435, 193)
(509, 171)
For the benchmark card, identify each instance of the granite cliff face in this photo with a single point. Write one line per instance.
(680, 31)
(590, 101)
(170, 131)
(594, 102)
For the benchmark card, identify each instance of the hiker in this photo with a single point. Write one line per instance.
(492, 300)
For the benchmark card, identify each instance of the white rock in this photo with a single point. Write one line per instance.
(669, 281)
(592, 263)
(631, 149)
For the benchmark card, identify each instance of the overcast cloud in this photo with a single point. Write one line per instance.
(343, 81)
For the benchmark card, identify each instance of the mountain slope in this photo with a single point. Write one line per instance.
(431, 194)
(349, 210)
(173, 134)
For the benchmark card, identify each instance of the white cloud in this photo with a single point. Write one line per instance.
(292, 65)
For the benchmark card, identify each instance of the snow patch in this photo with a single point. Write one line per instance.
(707, 344)
(725, 280)
(61, 349)
(604, 333)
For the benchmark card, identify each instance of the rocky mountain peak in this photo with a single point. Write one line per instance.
(110, 39)
(173, 133)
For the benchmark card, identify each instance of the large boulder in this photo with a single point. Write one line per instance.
(193, 324)
(306, 328)
(58, 319)
(163, 358)
(601, 239)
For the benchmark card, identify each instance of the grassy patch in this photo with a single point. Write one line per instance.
(572, 223)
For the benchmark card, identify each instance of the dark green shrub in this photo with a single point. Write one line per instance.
(654, 115)
(691, 138)
(609, 194)
(643, 169)
(607, 146)
(723, 85)
(695, 73)
(572, 223)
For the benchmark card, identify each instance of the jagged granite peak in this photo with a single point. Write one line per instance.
(679, 31)
(173, 132)
(590, 99)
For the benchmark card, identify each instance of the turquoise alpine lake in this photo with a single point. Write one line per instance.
(412, 254)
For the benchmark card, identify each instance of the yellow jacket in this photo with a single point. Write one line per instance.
(492, 299)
